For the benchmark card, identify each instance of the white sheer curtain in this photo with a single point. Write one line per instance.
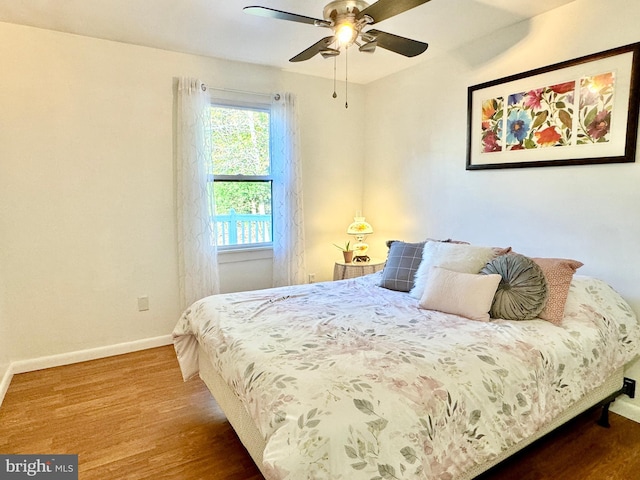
(288, 225)
(197, 255)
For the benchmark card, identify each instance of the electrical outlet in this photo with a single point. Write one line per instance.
(143, 303)
(312, 278)
(629, 387)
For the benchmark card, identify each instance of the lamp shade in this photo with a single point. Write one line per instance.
(359, 227)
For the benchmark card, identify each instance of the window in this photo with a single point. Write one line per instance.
(242, 181)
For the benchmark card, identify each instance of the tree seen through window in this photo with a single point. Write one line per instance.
(241, 171)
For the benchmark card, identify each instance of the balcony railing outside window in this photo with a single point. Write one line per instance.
(242, 229)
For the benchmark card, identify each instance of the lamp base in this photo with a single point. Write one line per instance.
(361, 259)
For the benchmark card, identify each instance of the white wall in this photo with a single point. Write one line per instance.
(589, 213)
(87, 214)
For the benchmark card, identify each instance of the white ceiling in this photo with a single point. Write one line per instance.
(219, 28)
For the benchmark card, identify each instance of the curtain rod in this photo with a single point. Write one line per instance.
(276, 96)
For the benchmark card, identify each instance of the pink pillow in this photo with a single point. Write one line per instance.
(558, 273)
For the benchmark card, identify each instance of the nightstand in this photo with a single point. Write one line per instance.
(342, 271)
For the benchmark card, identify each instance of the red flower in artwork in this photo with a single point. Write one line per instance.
(532, 98)
(547, 137)
(491, 142)
(563, 87)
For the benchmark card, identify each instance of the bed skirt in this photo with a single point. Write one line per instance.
(255, 444)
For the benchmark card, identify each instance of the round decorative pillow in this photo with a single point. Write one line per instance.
(522, 293)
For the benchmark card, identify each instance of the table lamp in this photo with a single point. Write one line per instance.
(360, 229)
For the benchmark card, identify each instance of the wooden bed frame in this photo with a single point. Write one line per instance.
(255, 444)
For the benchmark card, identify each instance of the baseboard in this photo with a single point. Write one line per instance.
(627, 408)
(5, 382)
(23, 366)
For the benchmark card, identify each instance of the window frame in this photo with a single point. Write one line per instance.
(254, 106)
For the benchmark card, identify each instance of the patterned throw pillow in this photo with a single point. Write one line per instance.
(559, 273)
(402, 263)
(522, 293)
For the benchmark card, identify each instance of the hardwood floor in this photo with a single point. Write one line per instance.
(132, 417)
(127, 417)
(579, 450)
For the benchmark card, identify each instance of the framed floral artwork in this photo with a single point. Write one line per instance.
(578, 112)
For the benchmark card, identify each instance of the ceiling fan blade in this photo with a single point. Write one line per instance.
(294, 17)
(313, 50)
(403, 46)
(383, 9)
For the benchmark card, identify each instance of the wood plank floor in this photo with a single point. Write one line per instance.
(132, 417)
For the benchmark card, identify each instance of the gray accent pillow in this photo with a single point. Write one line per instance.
(522, 293)
(402, 263)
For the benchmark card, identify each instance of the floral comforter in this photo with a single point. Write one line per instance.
(347, 380)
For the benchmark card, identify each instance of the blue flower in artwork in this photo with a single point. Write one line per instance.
(515, 98)
(518, 123)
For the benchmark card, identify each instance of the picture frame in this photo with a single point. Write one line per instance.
(577, 112)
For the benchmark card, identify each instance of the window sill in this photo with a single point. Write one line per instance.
(246, 254)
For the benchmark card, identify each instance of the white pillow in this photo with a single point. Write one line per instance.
(465, 294)
(452, 256)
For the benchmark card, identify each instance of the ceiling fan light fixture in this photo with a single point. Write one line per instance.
(346, 34)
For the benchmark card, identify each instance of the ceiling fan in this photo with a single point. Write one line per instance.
(347, 19)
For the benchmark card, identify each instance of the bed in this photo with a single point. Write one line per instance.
(350, 379)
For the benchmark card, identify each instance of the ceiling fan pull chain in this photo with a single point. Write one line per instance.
(346, 77)
(335, 95)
